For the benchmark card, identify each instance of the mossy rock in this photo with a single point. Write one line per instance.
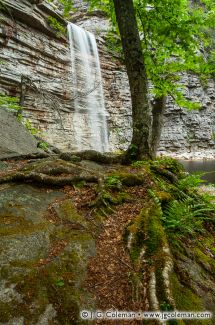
(187, 300)
(129, 179)
(163, 196)
(43, 263)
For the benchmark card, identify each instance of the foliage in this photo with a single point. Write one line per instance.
(185, 210)
(30, 128)
(43, 145)
(168, 163)
(190, 181)
(175, 36)
(163, 162)
(57, 26)
(174, 39)
(67, 6)
(9, 103)
(140, 163)
(113, 182)
(113, 43)
(60, 283)
(185, 217)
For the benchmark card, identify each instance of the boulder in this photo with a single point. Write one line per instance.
(15, 139)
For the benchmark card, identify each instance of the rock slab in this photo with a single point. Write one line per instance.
(15, 139)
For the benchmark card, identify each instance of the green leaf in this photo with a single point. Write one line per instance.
(60, 283)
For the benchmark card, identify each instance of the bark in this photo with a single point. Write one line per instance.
(158, 109)
(125, 15)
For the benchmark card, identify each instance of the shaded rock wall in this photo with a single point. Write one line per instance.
(191, 132)
(30, 48)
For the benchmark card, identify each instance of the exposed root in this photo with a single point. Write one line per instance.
(167, 271)
(102, 158)
(166, 173)
(154, 303)
(150, 253)
(46, 179)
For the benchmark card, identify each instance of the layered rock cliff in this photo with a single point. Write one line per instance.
(37, 68)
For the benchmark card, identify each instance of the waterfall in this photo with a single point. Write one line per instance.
(90, 116)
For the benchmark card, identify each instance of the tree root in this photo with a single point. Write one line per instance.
(92, 155)
(46, 179)
(150, 253)
(166, 173)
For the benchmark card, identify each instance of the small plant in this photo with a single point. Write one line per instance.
(113, 43)
(9, 103)
(57, 26)
(80, 184)
(30, 128)
(113, 182)
(43, 145)
(140, 163)
(60, 283)
(155, 197)
(190, 181)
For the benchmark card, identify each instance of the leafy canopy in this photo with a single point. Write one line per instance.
(176, 38)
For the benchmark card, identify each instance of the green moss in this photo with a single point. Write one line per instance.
(207, 261)
(147, 232)
(163, 196)
(187, 300)
(80, 184)
(40, 286)
(135, 229)
(115, 198)
(67, 212)
(208, 242)
(123, 197)
(161, 291)
(129, 179)
(113, 182)
(6, 312)
(21, 226)
(168, 163)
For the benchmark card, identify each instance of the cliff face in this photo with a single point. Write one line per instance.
(37, 64)
(37, 68)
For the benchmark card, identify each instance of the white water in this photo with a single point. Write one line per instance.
(90, 125)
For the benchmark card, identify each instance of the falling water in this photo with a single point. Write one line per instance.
(90, 125)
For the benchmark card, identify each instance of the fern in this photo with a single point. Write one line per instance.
(155, 198)
(190, 181)
(186, 216)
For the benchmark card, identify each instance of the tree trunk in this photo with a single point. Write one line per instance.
(158, 109)
(125, 15)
